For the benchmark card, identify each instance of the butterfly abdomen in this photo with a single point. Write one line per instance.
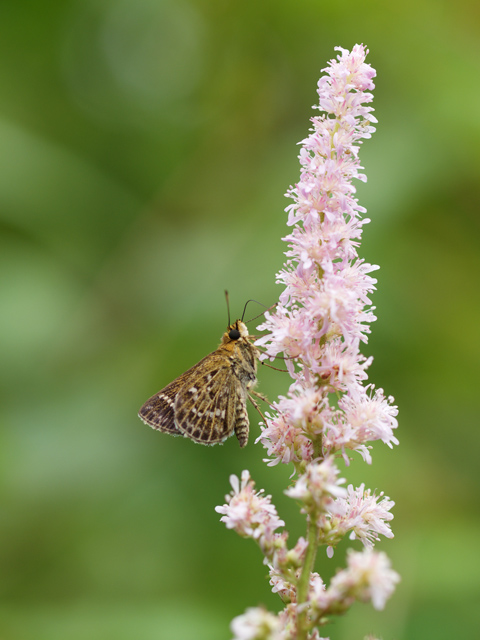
(242, 424)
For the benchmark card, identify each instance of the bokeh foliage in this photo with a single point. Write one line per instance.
(144, 150)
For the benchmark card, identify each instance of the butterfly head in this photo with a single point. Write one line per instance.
(235, 331)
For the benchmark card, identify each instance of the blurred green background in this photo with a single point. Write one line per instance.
(144, 151)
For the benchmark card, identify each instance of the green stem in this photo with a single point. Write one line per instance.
(304, 580)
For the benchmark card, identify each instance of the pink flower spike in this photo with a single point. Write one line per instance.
(321, 322)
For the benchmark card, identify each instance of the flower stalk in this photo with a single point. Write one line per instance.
(304, 580)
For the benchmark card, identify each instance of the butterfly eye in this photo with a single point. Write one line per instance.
(234, 334)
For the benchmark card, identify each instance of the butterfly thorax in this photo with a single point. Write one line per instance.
(241, 352)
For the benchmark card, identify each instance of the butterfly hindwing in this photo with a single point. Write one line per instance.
(158, 411)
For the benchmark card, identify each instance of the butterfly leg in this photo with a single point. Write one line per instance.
(274, 368)
(256, 405)
(262, 397)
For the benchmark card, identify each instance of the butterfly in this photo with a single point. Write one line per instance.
(208, 403)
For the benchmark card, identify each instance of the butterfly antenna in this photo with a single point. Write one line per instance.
(260, 314)
(228, 307)
(245, 307)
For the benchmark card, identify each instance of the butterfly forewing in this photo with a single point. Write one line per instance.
(205, 411)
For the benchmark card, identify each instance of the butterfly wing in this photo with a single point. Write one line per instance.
(205, 407)
(158, 411)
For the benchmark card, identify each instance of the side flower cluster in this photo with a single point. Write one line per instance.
(251, 514)
(322, 318)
